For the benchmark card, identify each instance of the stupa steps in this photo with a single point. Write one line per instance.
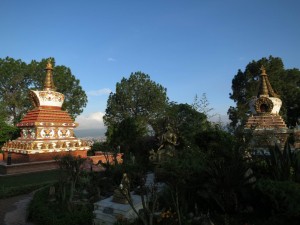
(266, 121)
(47, 116)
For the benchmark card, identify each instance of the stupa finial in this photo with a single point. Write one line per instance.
(265, 88)
(49, 84)
(263, 70)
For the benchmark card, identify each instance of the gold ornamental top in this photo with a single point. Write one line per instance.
(263, 71)
(49, 84)
(265, 88)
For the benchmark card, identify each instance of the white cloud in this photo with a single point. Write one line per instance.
(91, 121)
(111, 59)
(103, 91)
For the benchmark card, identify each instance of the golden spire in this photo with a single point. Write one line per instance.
(265, 88)
(48, 84)
(263, 70)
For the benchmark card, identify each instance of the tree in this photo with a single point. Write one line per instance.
(186, 121)
(127, 133)
(70, 171)
(202, 105)
(6, 131)
(14, 82)
(285, 82)
(17, 77)
(138, 98)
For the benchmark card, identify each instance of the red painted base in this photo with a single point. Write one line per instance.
(39, 157)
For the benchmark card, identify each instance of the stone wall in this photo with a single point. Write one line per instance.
(38, 157)
(27, 167)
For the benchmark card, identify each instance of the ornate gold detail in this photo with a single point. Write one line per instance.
(47, 133)
(58, 144)
(263, 70)
(51, 96)
(49, 84)
(265, 88)
(62, 133)
(263, 105)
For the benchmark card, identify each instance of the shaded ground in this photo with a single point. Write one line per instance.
(13, 210)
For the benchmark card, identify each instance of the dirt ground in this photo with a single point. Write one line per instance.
(13, 210)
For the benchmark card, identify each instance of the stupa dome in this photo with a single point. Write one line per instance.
(48, 97)
(267, 101)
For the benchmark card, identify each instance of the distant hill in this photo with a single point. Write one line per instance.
(90, 133)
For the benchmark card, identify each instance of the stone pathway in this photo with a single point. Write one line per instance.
(13, 210)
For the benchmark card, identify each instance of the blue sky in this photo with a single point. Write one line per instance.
(190, 47)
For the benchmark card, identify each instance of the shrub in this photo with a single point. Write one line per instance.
(278, 198)
(6, 192)
(43, 212)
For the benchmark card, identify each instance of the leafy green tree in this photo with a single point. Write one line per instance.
(186, 121)
(6, 131)
(137, 98)
(14, 82)
(127, 133)
(245, 84)
(213, 139)
(17, 77)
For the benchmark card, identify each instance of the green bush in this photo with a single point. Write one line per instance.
(44, 212)
(278, 198)
(25, 183)
(6, 192)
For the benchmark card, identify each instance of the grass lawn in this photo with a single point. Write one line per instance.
(25, 183)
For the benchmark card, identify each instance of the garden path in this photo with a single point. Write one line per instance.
(13, 210)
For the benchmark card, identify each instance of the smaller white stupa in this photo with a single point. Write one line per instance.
(265, 107)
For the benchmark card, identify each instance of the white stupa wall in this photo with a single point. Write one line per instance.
(276, 105)
(49, 98)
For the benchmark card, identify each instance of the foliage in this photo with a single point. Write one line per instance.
(7, 132)
(283, 164)
(101, 146)
(184, 177)
(186, 121)
(17, 77)
(127, 133)
(25, 183)
(70, 171)
(14, 82)
(228, 180)
(44, 212)
(138, 99)
(227, 174)
(280, 162)
(278, 198)
(214, 139)
(285, 82)
(6, 192)
(202, 105)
